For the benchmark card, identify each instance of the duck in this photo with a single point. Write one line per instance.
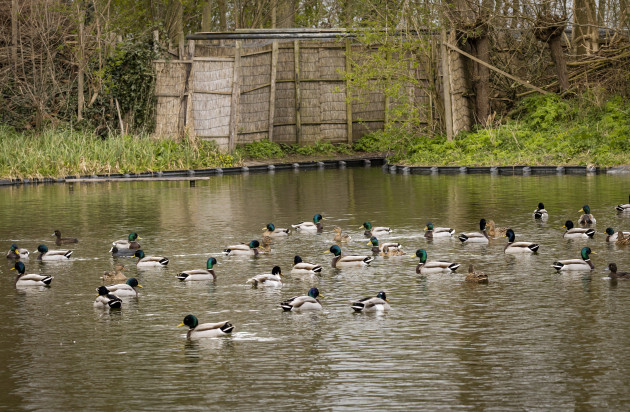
(271, 231)
(476, 237)
(50, 255)
(385, 249)
(613, 236)
(199, 274)
(107, 300)
(372, 304)
(434, 266)
(576, 264)
(577, 232)
(375, 231)
(63, 240)
(205, 330)
(587, 218)
(495, 231)
(314, 226)
(114, 276)
(23, 279)
(149, 261)
(129, 243)
(348, 261)
(475, 277)
(437, 232)
(273, 279)
(518, 247)
(17, 253)
(250, 249)
(624, 207)
(612, 267)
(299, 303)
(540, 212)
(125, 289)
(339, 237)
(623, 239)
(265, 247)
(304, 268)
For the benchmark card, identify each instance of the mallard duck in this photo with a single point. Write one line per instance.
(624, 207)
(16, 253)
(298, 303)
(265, 247)
(250, 249)
(613, 236)
(623, 238)
(495, 231)
(437, 232)
(114, 276)
(371, 304)
(125, 289)
(272, 231)
(49, 255)
(206, 330)
(106, 300)
(199, 274)
(576, 264)
(541, 212)
(612, 267)
(314, 226)
(127, 244)
(475, 277)
(375, 231)
(149, 261)
(434, 266)
(587, 218)
(476, 237)
(577, 232)
(385, 249)
(348, 261)
(63, 240)
(304, 268)
(268, 279)
(518, 247)
(31, 279)
(339, 237)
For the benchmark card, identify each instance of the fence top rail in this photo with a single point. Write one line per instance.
(289, 34)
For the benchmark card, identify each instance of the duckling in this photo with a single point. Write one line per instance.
(437, 232)
(587, 218)
(375, 231)
(299, 303)
(149, 261)
(16, 253)
(476, 237)
(348, 261)
(304, 268)
(541, 212)
(496, 231)
(371, 304)
(199, 274)
(50, 255)
(624, 207)
(206, 330)
(518, 247)
(63, 240)
(475, 277)
(106, 300)
(613, 236)
(616, 275)
(125, 289)
(127, 244)
(314, 226)
(340, 237)
(577, 232)
(576, 264)
(274, 279)
(435, 266)
(114, 276)
(272, 231)
(31, 279)
(250, 249)
(385, 249)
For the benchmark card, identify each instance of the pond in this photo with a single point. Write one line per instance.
(529, 339)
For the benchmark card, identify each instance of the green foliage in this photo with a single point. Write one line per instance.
(264, 149)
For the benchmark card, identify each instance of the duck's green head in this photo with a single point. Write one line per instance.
(210, 263)
(335, 250)
(367, 225)
(510, 235)
(429, 226)
(317, 218)
(381, 295)
(482, 224)
(297, 260)
(102, 291)
(133, 236)
(610, 231)
(133, 282)
(191, 321)
(422, 254)
(42, 249)
(270, 227)
(568, 225)
(373, 241)
(585, 209)
(254, 244)
(139, 254)
(276, 271)
(19, 266)
(314, 293)
(585, 252)
(15, 248)
(541, 206)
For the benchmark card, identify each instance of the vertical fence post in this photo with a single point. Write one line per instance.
(272, 87)
(189, 125)
(236, 95)
(446, 85)
(348, 92)
(298, 92)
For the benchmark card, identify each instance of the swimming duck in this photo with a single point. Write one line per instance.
(623, 238)
(206, 330)
(348, 261)
(50, 255)
(613, 236)
(577, 232)
(149, 261)
(541, 212)
(114, 276)
(371, 304)
(437, 232)
(304, 268)
(340, 237)
(518, 247)
(587, 218)
(129, 243)
(314, 226)
(265, 247)
(16, 253)
(125, 289)
(299, 303)
(250, 249)
(375, 231)
(434, 266)
(624, 207)
(385, 249)
(272, 279)
(63, 240)
(476, 237)
(616, 275)
(106, 300)
(31, 279)
(272, 231)
(475, 277)
(199, 274)
(576, 264)
(496, 231)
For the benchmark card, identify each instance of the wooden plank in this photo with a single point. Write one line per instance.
(446, 86)
(298, 92)
(236, 93)
(272, 90)
(348, 93)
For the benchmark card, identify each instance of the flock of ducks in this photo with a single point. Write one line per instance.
(117, 285)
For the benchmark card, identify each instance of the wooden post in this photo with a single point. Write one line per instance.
(81, 66)
(388, 57)
(298, 93)
(236, 96)
(272, 88)
(446, 86)
(348, 92)
(189, 125)
(14, 32)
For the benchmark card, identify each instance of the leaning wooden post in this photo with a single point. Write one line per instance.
(236, 95)
(189, 125)
(298, 93)
(348, 91)
(272, 87)
(446, 86)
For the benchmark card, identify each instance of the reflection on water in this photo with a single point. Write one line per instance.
(445, 343)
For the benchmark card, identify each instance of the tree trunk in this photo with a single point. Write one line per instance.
(481, 78)
(557, 54)
(585, 33)
(14, 32)
(286, 13)
(206, 17)
(222, 15)
(81, 64)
